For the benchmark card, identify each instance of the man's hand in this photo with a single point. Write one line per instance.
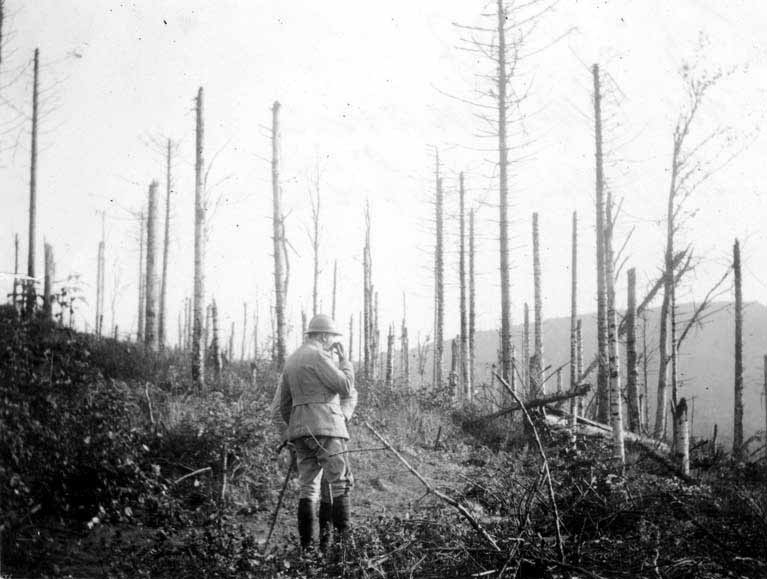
(338, 348)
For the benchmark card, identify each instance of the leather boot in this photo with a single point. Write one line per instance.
(306, 522)
(341, 515)
(326, 524)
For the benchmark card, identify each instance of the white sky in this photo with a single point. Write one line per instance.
(363, 87)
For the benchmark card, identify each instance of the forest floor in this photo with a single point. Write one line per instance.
(111, 468)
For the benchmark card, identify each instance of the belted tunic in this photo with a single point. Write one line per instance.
(311, 391)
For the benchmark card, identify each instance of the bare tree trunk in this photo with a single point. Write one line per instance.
(390, 357)
(682, 444)
(503, 164)
(367, 352)
(244, 329)
(573, 321)
(162, 320)
(602, 355)
(206, 330)
(527, 386)
(465, 379)
(315, 239)
(645, 379)
(214, 342)
(231, 345)
(454, 356)
(632, 373)
(405, 346)
(280, 253)
(100, 266)
(150, 324)
(141, 278)
(255, 334)
(303, 323)
(15, 298)
(50, 272)
(540, 388)
(32, 244)
(764, 361)
(737, 436)
(616, 400)
(439, 276)
(376, 332)
(198, 299)
(472, 301)
(577, 408)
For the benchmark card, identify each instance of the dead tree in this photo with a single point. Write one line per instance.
(537, 378)
(215, 347)
(141, 277)
(616, 399)
(50, 272)
(632, 371)
(32, 243)
(682, 442)
(405, 346)
(281, 266)
(465, 378)
(314, 237)
(764, 362)
(198, 299)
(472, 299)
(737, 422)
(351, 337)
(231, 345)
(439, 276)
(367, 266)
(526, 387)
(244, 329)
(161, 321)
(602, 354)
(573, 310)
(390, 357)
(15, 294)
(150, 322)
(100, 274)
(303, 322)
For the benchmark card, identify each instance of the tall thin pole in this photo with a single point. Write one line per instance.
(150, 323)
(161, 330)
(472, 299)
(280, 255)
(465, 380)
(574, 378)
(32, 245)
(198, 297)
(538, 310)
(737, 437)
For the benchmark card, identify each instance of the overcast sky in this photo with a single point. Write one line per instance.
(369, 89)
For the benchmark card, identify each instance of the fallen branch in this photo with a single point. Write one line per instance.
(430, 489)
(581, 390)
(545, 466)
(193, 473)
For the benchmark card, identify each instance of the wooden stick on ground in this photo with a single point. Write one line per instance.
(557, 522)
(430, 489)
(279, 505)
(581, 390)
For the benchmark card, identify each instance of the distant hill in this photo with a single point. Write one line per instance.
(706, 365)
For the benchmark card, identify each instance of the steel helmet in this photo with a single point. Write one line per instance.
(322, 324)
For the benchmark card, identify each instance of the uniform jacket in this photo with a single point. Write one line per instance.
(316, 396)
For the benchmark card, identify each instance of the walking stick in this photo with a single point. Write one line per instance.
(279, 504)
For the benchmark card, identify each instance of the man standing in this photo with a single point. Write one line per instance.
(317, 396)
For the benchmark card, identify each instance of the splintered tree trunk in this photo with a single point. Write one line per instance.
(162, 319)
(472, 301)
(573, 315)
(527, 387)
(198, 299)
(439, 288)
(280, 253)
(215, 349)
(737, 436)
(48, 282)
(367, 345)
(632, 371)
(616, 401)
(764, 361)
(244, 330)
(99, 321)
(15, 298)
(464, 345)
(538, 312)
(454, 355)
(141, 279)
(150, 324)
(682, 431)
(231, 345)
(602, 354)
(577, 407)
(315, 236)
(32, 244)
(405, 346)
(503, 164)
(390, 357)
